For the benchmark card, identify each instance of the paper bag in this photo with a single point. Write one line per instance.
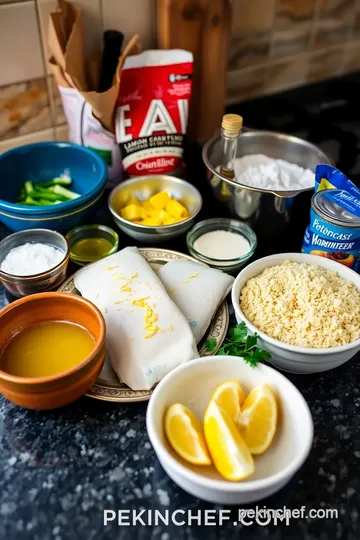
(89, 113)
(66, 42)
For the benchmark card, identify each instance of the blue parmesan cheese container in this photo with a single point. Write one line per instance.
(334, 229)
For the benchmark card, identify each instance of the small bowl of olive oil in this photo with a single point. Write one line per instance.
(89, 243)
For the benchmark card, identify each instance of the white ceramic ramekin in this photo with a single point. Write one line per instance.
(294, 358)
(193, 384)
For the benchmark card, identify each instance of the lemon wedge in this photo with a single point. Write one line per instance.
(230, 396)
(185, 434)
(259, 419)
(228, 450)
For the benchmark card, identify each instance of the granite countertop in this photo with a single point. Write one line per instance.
(60, 470)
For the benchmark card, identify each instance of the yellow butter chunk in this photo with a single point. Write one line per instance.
(122, 199)
(133, 212)
(176, 210)
(160, 200)
(170, 221)
(151, 221)
(163, 216)
(132, 200)
(159, 210)
(151, 212)
(148, 207)
(156, 214)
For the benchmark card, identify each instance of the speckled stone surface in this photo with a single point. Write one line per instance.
(60, 470)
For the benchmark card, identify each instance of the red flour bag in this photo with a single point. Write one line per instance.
(152, 111)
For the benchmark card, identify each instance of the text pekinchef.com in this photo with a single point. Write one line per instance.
(245, 517)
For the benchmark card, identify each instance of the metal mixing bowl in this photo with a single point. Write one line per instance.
(144, 187)
(264, 209)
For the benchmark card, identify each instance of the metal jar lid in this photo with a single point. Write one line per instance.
(332, 212)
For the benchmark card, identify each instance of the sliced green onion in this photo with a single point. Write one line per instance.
(61, 181)
(50, 197)
(46, 193)
(28, 187)
(60, 190)
(31, 202)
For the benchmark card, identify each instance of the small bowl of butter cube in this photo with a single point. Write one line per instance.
(154, 208)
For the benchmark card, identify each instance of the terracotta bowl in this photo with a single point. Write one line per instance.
(63, 388)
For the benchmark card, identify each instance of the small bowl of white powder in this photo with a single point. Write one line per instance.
(33, 261)
(222, 243)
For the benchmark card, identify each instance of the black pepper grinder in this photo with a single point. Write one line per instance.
(113, 41)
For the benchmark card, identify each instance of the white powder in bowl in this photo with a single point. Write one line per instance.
(222, 245)
(30, 259)
(258, 170)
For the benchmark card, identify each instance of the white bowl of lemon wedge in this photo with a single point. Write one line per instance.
(229, 433)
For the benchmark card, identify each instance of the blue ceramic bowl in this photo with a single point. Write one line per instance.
(41, 162)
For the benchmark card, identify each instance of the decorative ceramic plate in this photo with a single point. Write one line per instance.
(108, 387)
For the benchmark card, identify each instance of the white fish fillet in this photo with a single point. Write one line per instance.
(197, 291)
(130, 295)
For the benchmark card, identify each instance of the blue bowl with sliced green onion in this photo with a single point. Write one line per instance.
(53, 185)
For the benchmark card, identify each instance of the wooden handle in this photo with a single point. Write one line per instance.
(202, 27)
(213, 65)
(179, 24)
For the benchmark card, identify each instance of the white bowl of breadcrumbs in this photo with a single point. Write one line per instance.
(305, 309)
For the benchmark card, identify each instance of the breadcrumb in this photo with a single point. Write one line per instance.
(303, 304)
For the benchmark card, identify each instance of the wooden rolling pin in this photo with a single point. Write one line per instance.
(202, 27)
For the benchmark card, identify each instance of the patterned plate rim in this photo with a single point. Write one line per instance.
(217, 329)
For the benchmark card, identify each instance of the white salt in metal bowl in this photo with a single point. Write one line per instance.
(294, 358)
(193, 384)
(48, 280)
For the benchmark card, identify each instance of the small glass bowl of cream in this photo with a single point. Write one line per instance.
(222, 243)
(89, 243)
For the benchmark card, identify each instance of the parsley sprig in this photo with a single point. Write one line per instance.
(239, 343)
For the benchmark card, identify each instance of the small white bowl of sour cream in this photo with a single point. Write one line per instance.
(294, 358)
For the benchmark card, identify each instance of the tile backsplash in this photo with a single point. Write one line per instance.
(292, 42)
(275, 44)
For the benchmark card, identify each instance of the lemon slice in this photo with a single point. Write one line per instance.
(230, 396)
(185, 434)
(228, 450)
(259, 419)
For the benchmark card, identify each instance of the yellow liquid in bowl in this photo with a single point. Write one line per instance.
(91, 248)
(46, 349)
